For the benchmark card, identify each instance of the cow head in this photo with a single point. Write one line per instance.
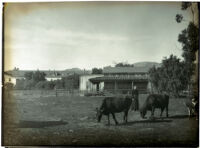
(143, 113)
(98, 114)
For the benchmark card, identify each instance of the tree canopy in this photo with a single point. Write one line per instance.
(36, 80)
(175, 75)
(123, 64)
(97, 71)
(189, 39)
(35, 76)
(170, 77)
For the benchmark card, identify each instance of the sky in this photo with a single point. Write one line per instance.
(89, 34)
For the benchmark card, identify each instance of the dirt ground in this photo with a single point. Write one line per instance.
(71, 120)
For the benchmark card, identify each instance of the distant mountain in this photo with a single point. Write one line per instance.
(76, 70)
(147, 64)
(73, 69)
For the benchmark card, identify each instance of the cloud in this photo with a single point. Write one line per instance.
(85, 36)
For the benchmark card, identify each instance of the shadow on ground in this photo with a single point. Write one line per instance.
(145, 121)
(180, 116)
(39, 124)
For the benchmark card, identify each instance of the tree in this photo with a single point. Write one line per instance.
(170, 77)
(31, 80)
(29, 84)
(28, 75)
(35, 76)
(124, 64)
(179, 18)
(97, 71)
(9, 86)
(49, 85)
(185, 6)
(38, 76)
(154, 79)
(40, 85)
(71, 82)
(189, 39)
(59, 84)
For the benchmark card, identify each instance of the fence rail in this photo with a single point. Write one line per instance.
(45, 93)
(64, 92)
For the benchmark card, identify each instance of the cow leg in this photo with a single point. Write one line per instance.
(161, 112)
(193, 112)
(108, 119)
(152, 111)
(189, 112)
(124, 116)
(114, 118)
(167, 115)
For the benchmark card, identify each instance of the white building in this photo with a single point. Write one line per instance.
(86, 85)
(8, 78)
(51, 78)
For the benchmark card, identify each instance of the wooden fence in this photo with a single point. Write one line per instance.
(63, 92)
(45, 93)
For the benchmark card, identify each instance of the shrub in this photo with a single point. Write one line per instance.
(9, 86)
(29, 84)
(49, 85)
(40, 85)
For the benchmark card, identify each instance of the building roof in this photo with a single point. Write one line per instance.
(119, 78)
(91, 75)
(16, 73)
(116, 70)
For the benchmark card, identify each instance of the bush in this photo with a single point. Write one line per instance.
(29, 84)
(9, 86)
(49, 85)
(59, 84)
(40, 85)
(71, 82)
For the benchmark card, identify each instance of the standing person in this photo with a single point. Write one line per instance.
(135, 105)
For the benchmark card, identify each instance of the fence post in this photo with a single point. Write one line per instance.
(56, 92)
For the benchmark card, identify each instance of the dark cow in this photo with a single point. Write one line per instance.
(154, 101)
(112, 105)
(192, 106)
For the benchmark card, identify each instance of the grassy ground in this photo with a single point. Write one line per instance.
(71, 120)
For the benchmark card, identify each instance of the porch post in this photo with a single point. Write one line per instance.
(97, 87)
(115, 86)
(132, 85)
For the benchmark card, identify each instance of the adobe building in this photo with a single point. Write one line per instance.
(122, 79)
(87, 85)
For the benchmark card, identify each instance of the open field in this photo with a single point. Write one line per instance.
(70, 120)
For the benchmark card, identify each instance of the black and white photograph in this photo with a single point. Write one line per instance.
(100, 73)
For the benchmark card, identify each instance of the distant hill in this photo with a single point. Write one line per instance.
(76, 70)
(49, 73)
(147, 64)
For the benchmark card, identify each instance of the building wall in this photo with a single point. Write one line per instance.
(53, 79)
(124, 86)
(86, 85)
(141, 86)
(8, 78)
(109, 85)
